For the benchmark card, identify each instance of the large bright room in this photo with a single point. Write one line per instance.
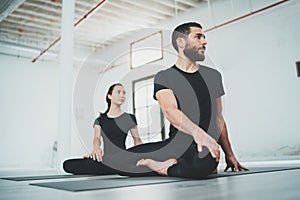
(144, 99)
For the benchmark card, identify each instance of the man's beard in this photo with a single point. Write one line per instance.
(193, 55)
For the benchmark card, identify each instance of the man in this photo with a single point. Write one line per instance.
(190, 97)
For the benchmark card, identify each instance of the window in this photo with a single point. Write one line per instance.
(149, 116)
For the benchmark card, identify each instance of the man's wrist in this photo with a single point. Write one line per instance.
(199, 131)
(229, 154)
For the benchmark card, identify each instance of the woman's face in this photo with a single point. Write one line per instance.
(118, 95)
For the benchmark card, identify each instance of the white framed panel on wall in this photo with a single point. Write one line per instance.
(146, 50)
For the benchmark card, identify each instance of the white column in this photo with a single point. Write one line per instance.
(65, 84)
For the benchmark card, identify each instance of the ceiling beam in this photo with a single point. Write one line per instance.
(34, 25)
(25, 33)
(31, 36)
(52, 18)
(48, 2)
(42, 7)
(170, 4)
(56, 7)
(23, 42)
(189, 3)
(30, 18)
(13, 26)
(29, 21)
(139, 12)
(150, 6)
(126, 15)
(23, 11)
(9, 7)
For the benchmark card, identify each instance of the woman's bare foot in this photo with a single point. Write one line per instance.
(159, 167)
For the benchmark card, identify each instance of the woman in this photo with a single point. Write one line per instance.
(113, 126)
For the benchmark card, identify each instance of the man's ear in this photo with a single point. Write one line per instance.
(180, 42)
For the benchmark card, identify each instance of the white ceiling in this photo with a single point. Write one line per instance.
(35, 24)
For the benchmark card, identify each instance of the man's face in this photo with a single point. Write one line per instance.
(195, 45)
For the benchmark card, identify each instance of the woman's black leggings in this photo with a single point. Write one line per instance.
(190, 165)
(81, 166)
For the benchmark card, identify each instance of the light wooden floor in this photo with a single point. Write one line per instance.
(281, 185)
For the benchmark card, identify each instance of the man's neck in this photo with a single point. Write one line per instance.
(185, 64)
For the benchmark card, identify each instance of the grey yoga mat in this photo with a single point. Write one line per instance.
(33, 178)
(107, 183)
(251, 171)
(117, 182)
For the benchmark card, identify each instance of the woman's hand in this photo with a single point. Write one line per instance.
(96, 154)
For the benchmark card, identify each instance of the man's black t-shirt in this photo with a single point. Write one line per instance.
(114, 131)
(195, 93)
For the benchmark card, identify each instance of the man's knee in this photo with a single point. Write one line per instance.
(205, 166)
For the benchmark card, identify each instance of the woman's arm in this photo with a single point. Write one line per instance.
(136, 136)
(97, 152)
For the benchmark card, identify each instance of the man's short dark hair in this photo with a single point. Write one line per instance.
(183, 31)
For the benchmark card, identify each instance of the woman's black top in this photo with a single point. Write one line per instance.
(114, 130)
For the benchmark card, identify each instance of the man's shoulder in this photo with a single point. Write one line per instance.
(209, 70)
(165, 72)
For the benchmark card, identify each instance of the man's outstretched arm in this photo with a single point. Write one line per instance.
(230, 158)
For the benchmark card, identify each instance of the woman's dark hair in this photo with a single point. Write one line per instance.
(183, 31)
(108, 101)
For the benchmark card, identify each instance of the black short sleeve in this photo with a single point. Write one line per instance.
(219, 88)
(159, 83)
(133, 122)
(96, 122)
(213, 80)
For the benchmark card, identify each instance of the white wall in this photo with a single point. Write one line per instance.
(28, 115)
(258, 56)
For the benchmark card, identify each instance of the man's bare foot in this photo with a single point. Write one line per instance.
(159, 167)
